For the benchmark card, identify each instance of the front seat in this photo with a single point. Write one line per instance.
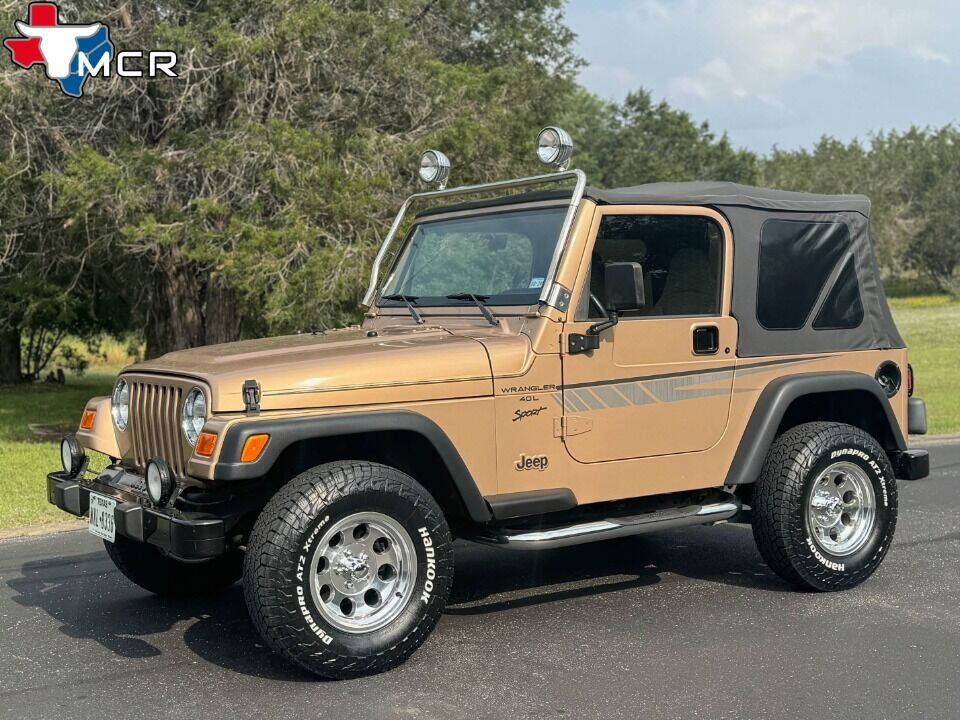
(691, 286)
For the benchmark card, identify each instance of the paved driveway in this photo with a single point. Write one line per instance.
(678, 625)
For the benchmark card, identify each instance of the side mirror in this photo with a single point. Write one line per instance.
(623, 283)
(623, 291)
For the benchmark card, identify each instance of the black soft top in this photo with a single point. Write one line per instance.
(729, 194)
(680, 193)
(747, 209)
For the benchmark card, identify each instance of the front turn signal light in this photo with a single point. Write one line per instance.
(86, 420)
(206, 444)
(253, 446)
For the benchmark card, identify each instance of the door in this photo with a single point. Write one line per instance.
(661, 381)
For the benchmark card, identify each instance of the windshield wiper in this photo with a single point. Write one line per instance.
(408, 300)
(478, 301)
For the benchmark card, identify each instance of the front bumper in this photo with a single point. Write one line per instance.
(184, 535)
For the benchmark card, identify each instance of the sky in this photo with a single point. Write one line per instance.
(779, 72)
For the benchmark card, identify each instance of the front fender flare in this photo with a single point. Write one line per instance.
(773, 403)
(284, 432)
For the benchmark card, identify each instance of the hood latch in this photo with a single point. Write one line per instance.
(251, 397)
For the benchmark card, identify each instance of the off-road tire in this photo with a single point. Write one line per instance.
(780, 497)
(149, 568)
(276, 569)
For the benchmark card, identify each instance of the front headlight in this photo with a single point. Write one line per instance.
(193, 415)
(120, 407)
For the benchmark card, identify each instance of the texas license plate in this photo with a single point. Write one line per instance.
(101, 517)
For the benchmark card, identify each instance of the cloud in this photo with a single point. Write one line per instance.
(784, 71)
(764, 45)
(922, 52)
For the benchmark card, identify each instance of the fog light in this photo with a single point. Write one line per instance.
(71, 455)
(159, 481)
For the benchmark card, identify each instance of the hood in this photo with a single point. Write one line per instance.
(342, 367)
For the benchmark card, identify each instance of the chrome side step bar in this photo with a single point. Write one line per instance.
(617, 527)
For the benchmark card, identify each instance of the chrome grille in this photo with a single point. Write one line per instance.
(155, 424)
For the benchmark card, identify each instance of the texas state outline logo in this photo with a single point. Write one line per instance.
(72, 53)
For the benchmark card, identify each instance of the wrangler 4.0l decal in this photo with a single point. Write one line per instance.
(523, 389)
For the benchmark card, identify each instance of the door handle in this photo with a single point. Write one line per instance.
(706, 340)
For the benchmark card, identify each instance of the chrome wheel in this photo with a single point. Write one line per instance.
(841, 509)
(362, 572)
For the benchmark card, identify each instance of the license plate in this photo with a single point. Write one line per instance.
(101, 517)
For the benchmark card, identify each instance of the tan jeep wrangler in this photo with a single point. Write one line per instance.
(538, 368)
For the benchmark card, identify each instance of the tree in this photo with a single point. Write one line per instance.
(910, 178)
(654, 142)
(248, 195)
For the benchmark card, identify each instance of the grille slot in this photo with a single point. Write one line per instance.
(155, 426)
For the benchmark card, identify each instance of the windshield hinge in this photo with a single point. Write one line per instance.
(251, 397)
(558, 297)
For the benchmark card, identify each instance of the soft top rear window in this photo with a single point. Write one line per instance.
(796, 258)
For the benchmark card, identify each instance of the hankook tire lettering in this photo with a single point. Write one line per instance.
(839, 567)
(431, 565)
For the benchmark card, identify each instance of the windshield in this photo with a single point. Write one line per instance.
(501, 257)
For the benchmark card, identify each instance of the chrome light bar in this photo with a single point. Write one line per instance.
(558, 297)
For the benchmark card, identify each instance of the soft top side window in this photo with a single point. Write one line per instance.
(843, 308)
(681, 257)
(796, 259)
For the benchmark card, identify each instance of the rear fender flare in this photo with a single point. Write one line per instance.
(775, 400)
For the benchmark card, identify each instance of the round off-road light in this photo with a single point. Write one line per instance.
(434, 168)
(159, 481)
(889, 377)
(71, 455)
(554, 147)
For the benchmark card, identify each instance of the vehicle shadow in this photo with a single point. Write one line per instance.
(89, 598)
(92, 600)
(490, 579)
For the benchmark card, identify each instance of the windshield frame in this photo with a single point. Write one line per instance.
(552, 293)
(473, 213)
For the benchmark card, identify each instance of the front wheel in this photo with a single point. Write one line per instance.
(825, 506)
(348, 568)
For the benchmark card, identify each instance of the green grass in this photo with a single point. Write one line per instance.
(930, 324)
(25, 461)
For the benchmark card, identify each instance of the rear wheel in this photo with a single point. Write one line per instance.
(825, 506)
(348, 568)
(149, 568)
